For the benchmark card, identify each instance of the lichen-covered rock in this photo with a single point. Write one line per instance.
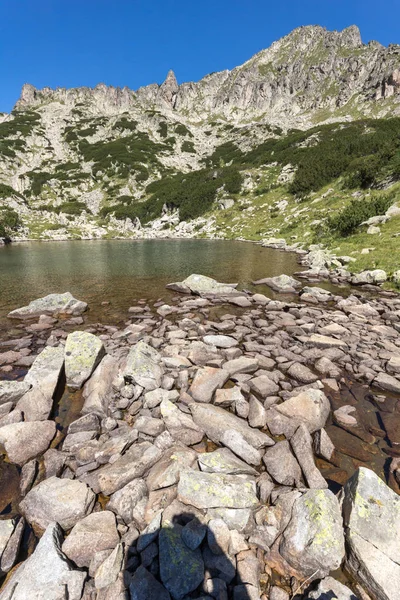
(83, 352)
(213, 490)
(313, 542)
(143, 366)
(371, 513)
(181, 569)
(11, 391)
(53, 304)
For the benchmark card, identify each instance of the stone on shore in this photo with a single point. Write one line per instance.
(12, 391)
(206, 381)
(143, 367)
(213, 490)
(215, 421)
(283, 284)
(181, 426)
(27, 440)
(311, 408)
(223, 460)
(124, 501)
(301, 443)
(282, 465)
(235, 441)
(83, 352)
(53, 304)
(63, 501)
(313, 542)
(371, 513)
(92, 534)
(387, 382)
(98, 389)
(331, 589)
(202, 285)
(46, 574)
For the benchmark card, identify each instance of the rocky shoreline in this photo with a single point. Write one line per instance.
(223, 446)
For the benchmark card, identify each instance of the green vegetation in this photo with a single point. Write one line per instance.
(9, 221)
(188, 147)
(6, 191)
(358, 211)
(124, 123)
(183, 130)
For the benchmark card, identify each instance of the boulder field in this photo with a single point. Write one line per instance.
(224, 446)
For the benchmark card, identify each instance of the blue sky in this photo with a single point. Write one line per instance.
(70, 43)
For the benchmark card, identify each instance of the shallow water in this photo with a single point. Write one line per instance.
(123, 271)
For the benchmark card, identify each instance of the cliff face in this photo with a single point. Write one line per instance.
(308, 70)
(92, 147)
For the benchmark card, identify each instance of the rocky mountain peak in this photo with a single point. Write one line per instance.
(169, 89)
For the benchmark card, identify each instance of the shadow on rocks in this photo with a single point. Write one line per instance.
(185, 559)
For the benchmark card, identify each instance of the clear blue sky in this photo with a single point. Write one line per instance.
(70, 43)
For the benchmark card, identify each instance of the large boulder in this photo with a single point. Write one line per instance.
(83, 352)
(313, 542)
(181, 569)
(64, 501)
(143, 366)
(53, 304)
(46, 574)
(371, 513)
(202, 285)
(374, 277)
(26, 440)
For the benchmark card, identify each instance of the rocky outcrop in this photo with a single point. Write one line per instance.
(53, 304)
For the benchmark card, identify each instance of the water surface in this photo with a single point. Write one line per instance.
(124, 271)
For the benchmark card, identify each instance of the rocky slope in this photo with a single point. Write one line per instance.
(82, 163)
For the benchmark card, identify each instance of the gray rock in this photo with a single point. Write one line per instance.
(313, 542)
(143, 367)
(257, 413)
(218, 536)
(331, 589)
(45, 573)
(64, 501)
(220, 341)
(387, 382)
(6, 530)
(311, 408)
(181, 569)
(53, 304)
(301, 443)
(123, 502)
(144, 586)
(109, 570)
(282, 465)
(323, 445)
(215, 421)
(167, 470)
(242, 364)
(24, 441)
(280, 283)
(223, 460)
(236, 518)
(371, 513)
(12, 391)
(193, 533)
(10, 553)
(149, 425)
(181, 426)
(97, 391)
(202, 285)
(92, 534)
(235, 441)
(376, 276)
(209, 490)
(205, 382)
(264, 386)
(301, 373)
(83, 352)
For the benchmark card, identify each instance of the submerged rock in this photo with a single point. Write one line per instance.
(202, 285)
(53, 304)
(372, 519)
(281, 283)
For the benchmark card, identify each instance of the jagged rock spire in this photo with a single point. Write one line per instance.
(169, 89)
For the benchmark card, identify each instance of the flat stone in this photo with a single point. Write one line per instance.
(323, 445)
(124, 501)
(53, 304)
(27, 440)
(313, 542)
(6, 530)
(46, 573)
(92, 534)
(205, 382)
(264, 386)
(324, 341)
(202, 285)
(280, 283)
(228, 397)
(109, 570)
(372, 519)
(391, 422)
(242, 364)
(257, 416)
(12, 391)
(181, 569)
(210, 490)
(64, 501)
(220, 341)
(331, 588)
(167, 470)
(10, 553)
(223, 460)
(387, 382)
(83, 352)
(301, 373)
(215, 421)
(143, 367)
(218, 536)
